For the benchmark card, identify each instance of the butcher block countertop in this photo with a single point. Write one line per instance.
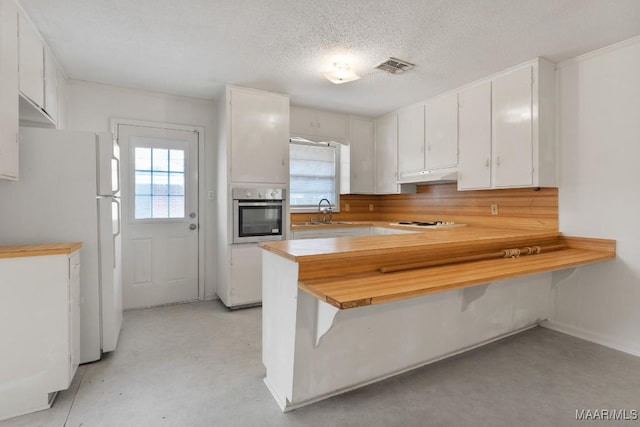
(38, 250)
(351, 272)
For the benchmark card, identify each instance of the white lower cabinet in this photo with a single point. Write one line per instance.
(327, 232)
(384, 231)
(39, 330)
(246, 275)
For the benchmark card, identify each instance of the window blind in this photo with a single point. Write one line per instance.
(312, 174)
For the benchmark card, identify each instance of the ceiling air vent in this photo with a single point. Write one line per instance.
(395, 66)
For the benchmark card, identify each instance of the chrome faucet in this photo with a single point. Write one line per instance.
(324, 211)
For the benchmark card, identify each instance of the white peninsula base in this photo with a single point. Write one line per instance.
(312, 350)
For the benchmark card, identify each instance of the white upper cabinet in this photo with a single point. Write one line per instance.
(410, 140)
(474, 137)
(259, 136)
(511, 104)
(38, 78)
(303, 121)
(317, 125)
(512, 142)
(386, 155)
(8, 90)
(441, 132)
(31, 57)
(427, 138)
(50, 86)
(362, 156)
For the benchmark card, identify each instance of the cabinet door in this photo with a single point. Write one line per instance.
(334, 127)
(311, 234)
(50, 86)
(441, 132)
(8, 90)
(361, 156)
(386, 153)
(512, 129)
(352, 232)
(474, 139)
(303, 121)
(410, 139)
(31, 63)
(259, 133)
(74, 313)
(246, 274)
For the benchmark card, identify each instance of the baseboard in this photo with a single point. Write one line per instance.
(282, 402)
(592, 337)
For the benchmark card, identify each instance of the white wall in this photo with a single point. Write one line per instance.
(598, 193)
(91, 106)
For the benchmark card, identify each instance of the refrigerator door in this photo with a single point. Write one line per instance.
(55, 201)
(108, 165)
(110, 270)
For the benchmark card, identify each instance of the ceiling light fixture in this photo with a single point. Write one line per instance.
(341, 73)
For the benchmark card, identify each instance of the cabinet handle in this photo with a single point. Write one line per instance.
(498, 161)
(486, 164)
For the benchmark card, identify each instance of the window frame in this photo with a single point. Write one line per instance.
(337, 173)
(151, 143)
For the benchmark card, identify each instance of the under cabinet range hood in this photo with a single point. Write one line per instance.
(429, 176)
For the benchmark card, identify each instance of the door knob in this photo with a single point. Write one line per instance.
(192, 215)
(192, 226)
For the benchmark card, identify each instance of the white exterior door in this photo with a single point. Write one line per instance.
(160, 215)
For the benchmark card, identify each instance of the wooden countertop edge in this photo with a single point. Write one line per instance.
(18, 251)
(405, 242)
(376, 288)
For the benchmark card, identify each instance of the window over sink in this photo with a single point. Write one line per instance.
(314, 174)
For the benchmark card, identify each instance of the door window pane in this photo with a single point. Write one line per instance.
(159, 183)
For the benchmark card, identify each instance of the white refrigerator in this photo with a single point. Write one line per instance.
(68, 190)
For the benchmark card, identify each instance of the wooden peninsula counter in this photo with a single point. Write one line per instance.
(340, 313)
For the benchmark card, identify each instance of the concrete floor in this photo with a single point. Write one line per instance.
(198, 364)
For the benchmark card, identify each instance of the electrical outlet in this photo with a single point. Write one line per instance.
(370, 207)
(494, 209)
(347, 207)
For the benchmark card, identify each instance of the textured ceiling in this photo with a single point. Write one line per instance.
(195, 47)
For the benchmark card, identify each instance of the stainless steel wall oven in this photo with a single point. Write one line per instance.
(258, 214)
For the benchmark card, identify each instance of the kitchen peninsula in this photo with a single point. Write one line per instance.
(340, 313)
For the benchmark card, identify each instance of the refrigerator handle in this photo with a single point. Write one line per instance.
(117, 189)
(116, 201)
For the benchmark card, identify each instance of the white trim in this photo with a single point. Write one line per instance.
(113, 124)
(601, 51)
(629, 348)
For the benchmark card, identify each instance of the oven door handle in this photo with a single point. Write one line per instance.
(259, 204)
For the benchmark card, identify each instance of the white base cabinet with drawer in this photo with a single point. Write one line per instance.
(327, 232)
(39, 330)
